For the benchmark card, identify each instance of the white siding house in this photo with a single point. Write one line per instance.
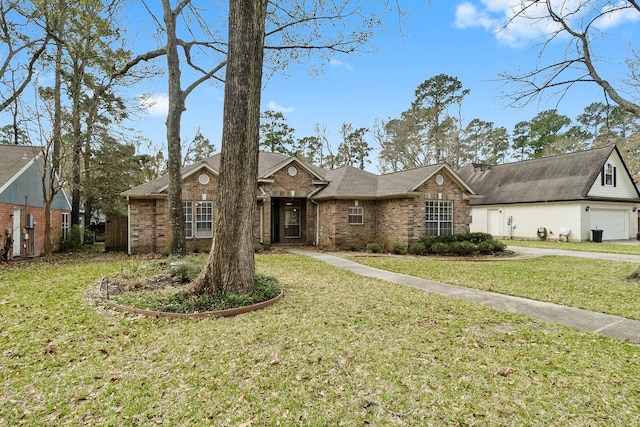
(545, 198)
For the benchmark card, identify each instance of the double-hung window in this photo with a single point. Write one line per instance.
(609, 175)
(356, 215)
(187, 207)
(439, 220)
(65, 225)
(204, 219)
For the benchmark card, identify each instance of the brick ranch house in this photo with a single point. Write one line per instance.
(22, 203)
(298, 203)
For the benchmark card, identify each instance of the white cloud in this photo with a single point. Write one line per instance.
(274, 106)
(468, 16)
(617, 17)
(493, 16)
(154, 104)
(335, 63)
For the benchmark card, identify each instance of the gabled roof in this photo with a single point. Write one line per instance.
(15, 159)
(268, 164)
(344, 182)
(350, 182)
(565, 177)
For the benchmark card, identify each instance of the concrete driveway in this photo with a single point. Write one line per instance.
(577, 254)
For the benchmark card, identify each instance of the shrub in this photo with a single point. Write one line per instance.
(476, 238)
(485, 248)
(185, 270)
(398, 249)
(418, 248)
(464, 248)
(440, 248)
(498, 246)
(72, 241)
(353, 247)
(261, 247)
(374, 247)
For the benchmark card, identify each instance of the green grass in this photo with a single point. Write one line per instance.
(339, 349)
(595, 285)
(577, 246)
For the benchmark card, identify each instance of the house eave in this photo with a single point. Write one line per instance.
(144, 196)
(584, 199)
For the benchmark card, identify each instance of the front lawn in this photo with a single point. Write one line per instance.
(339, 349)
(594, 285)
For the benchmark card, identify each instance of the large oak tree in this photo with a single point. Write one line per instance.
(230, 265)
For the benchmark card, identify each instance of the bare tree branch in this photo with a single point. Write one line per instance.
(560, 76)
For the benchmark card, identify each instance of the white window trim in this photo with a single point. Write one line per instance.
(65, 224)
(208, 215)
(355, 212)
(439, 221)
(185, 205)
(608, 175)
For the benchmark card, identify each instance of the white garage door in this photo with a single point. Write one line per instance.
(613, 222)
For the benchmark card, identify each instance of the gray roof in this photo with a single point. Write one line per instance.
(14, 158)
(348, 181)
(268, 163)
(565, 177)
(344, 182)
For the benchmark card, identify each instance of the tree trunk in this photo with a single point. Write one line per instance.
(174, 115)
(76, 159)
(231, 265)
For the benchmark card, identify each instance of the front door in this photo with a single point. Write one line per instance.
(292, 222)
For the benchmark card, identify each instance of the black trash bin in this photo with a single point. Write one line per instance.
(596, 235)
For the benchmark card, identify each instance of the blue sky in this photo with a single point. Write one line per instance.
(458, 38)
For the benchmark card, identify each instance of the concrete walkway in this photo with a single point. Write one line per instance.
(585, 320)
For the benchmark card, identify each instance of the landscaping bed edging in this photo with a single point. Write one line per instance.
(200, 315)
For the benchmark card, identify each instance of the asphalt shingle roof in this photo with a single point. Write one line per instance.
(13, 159)
(556, 178)
(346, 181)
(268, 163)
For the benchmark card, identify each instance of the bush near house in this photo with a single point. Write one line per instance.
(465, 244)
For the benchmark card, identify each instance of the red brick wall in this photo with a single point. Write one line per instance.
(335, 230)
(392, 220)
(36, 235)
(149, 227)
(386, 221)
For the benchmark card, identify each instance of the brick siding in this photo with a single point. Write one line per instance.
(35, 244)
(388, 221)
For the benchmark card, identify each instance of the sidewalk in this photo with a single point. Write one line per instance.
(600, 323)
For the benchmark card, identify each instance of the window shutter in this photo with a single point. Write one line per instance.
(602, 175)
(614, 176)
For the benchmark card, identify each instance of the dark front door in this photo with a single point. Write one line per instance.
(287, 220)
(292, 222)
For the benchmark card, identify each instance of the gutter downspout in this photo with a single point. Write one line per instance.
(262, 222)
(316, 243)
(128, 226)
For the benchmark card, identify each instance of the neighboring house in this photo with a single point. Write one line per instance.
(300, 203)
(546, 197)
(22, 203)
